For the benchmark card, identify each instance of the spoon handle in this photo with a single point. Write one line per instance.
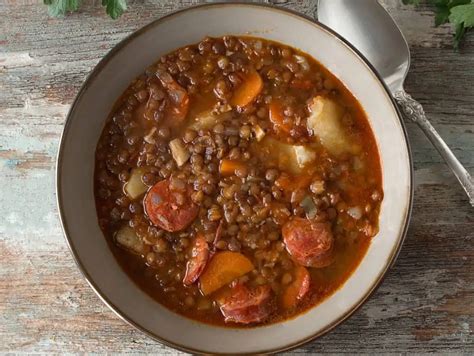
(414, 111)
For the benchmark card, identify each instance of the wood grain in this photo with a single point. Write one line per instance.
(426, 303)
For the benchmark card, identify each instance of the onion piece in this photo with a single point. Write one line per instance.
(149, 137)
(302, 61)
(317, 187)
(257, 45)
(259, 133)
(179, 152)
(355, 212)
(309, 207)
(358, 164)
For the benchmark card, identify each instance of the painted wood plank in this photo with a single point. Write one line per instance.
(426, 303)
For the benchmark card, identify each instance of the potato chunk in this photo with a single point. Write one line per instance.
(325, 122)
(128, 239)
(303, 155)
(179, 152)
(287, 157)
(135, 186)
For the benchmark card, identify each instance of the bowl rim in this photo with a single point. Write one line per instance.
(98, 68)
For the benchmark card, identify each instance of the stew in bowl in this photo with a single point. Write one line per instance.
(234, 178)
(237, 181)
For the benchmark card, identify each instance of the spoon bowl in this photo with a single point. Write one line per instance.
(370, 28)
(373, 32)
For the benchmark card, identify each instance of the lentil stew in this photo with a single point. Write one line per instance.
(238, 182)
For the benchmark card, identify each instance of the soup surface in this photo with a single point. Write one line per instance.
(238, 182)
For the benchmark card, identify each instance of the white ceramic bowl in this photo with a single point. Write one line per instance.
(86, 119)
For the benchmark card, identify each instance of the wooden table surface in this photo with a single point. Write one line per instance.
(426, 303)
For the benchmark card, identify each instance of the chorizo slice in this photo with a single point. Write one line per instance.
(197, 261)
(247, 306)
(297, 289)
(310, 243)
(169, 209)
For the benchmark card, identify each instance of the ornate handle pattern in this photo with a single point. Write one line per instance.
(410, 107)
(413, 110)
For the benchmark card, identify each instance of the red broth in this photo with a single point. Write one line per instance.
(238, 182)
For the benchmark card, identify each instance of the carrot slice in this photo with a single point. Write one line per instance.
(275, 113)
(290, 183)
(247, 92)
(297, 289)
(222, 269)
(228, 167)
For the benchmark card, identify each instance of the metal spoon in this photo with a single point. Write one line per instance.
(369, 27)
